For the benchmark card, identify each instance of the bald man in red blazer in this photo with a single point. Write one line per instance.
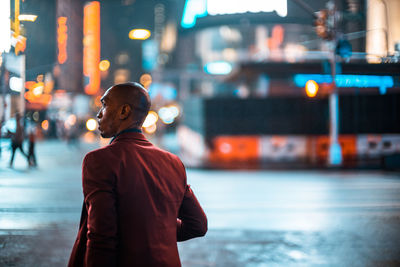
(137, 204)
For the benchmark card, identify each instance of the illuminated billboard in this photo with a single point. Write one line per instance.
(200, 8)
(62, 38)
(5, 33)
(91, 47)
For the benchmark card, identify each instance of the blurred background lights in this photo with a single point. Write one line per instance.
(122, 58)
(216, 7)
(165, 91)
(89, 137)
(139, 34)
(104, 65)
(151, 119)
(151, 129)
(5, 26)
(218, 68)
(71, 120)
(200, 8)
(346, 80)
(168, 114)
(45, 125)
(27, 17)
(97, 101)
(91, 124)
(225, 148)
(16, 84)
(311, 88)
(35, 116)
(38, 89)
(146, 80)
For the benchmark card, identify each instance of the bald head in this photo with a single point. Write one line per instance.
(123, 106)
(136, 96)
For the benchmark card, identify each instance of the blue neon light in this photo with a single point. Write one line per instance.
(347, 80)
(218, 68)
(193, 9)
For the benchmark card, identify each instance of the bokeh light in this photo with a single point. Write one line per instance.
(151, 129)
(139, 34)
(151, 119)
(168, 114)
(45, 125)
(146, 80)
(91, 124)
(104, 65)
(311, 88)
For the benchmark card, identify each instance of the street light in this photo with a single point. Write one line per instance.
(139, 34)
(104, 65)
(311, 88)
(27, 17)
(91, 124)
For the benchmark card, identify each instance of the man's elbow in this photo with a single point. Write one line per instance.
(203, 228)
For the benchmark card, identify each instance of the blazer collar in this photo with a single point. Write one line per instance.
(129, 134)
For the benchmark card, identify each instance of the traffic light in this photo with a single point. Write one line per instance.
(322, 26)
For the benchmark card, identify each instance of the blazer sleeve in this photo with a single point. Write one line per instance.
(100, 200)
(192, 221)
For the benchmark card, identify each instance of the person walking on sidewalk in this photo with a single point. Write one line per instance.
(137, 203)
(31, 149)
(17, 139)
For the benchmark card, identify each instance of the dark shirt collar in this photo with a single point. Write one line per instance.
(130, 130)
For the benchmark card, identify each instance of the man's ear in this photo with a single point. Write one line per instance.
(125, 112)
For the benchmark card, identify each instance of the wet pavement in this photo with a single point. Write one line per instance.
(256, 218)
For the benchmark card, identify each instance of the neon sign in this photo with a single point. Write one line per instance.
(200, 8)
(5, 33)
(347, 80)
(91, 47)
(62, 38)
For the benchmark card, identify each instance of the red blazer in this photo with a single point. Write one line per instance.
(137, 205)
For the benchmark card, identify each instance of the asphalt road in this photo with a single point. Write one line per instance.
(256, 218)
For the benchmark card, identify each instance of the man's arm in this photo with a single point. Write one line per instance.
(98, 189)
(192, 221)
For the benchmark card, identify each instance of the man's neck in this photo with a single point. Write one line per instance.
(127, 130)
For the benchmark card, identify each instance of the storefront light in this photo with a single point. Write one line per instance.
(16, 84)
(27, 17)
(218, 68)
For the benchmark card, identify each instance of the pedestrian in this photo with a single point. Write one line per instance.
(31, 149)
(17, 139)
(137, 203)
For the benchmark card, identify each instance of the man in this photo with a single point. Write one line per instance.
(136, 200)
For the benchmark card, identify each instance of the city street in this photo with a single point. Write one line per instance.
(256, 218)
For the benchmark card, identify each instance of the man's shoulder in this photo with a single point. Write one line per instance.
(166, 153)
(105, 152)
(171, 157)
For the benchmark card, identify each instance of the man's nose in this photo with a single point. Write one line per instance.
(99, 114)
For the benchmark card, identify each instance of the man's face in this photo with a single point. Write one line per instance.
(108, 115)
